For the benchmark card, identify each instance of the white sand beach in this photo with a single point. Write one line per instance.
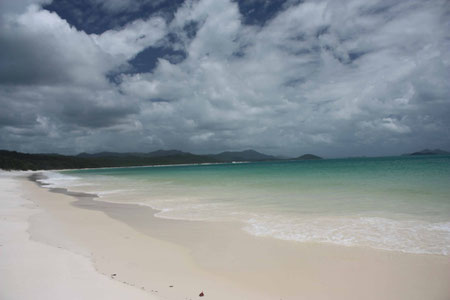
(30, 269)
(224, 150)
(56, 247)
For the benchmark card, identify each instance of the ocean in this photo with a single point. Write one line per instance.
(390, 203)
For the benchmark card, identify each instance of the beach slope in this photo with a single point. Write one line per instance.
(34, 270)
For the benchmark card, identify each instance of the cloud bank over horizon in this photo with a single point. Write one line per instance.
(283, 77)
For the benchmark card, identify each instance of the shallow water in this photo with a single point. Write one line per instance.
(391, 203)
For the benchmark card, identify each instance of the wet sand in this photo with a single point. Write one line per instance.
(174, 259)
(31, 269)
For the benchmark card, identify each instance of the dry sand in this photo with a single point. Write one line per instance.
(34, 270)
(73, 238)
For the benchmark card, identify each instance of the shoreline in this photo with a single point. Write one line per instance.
(220, 259)
(38, 175)
(233, 258)
(141, 166)
(168, 271)
(34, 269)
(220, 287)
(234, 162)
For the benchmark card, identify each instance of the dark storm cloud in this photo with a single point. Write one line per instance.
(38, 48)
(29, 59)
(64, 106)
(286, 77)
(13, 114)
(93, 115)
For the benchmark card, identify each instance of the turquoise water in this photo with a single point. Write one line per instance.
(391, 203)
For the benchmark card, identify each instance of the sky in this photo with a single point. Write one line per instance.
(284, 77)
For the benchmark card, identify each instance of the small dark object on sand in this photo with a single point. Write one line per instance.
(170, 285)
(201, 294)
(113, 275)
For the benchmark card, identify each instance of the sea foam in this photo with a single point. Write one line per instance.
(397, 204)
(409, 236)
(58, 180)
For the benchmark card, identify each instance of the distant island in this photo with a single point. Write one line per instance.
(308, 157)
(247, 155)
(429, 152)
(12, 160)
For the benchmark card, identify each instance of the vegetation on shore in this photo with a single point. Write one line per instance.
(12, 160)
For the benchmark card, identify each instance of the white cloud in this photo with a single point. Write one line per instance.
(133, 38)
(335, 78)
(42, 47)
(300, 71)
